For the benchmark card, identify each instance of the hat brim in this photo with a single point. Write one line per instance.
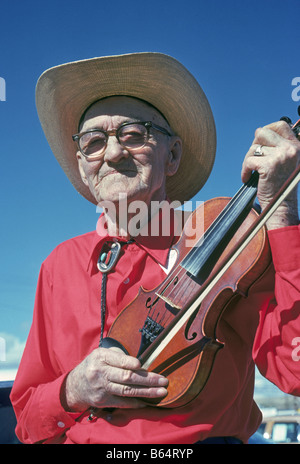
(64, 92)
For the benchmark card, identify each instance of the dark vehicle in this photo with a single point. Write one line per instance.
(7, 416)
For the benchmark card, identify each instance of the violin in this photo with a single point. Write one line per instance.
(172, 329)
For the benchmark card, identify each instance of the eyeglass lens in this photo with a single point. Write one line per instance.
(130, 136)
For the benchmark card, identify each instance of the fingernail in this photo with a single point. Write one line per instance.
(162, 392)
(163, 381)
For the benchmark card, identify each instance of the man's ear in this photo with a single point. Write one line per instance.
(80, 167)
(174, 155)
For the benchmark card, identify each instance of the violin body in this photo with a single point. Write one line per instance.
(188, 357)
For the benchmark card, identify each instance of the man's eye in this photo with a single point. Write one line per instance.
(93, 143)
(133, 134)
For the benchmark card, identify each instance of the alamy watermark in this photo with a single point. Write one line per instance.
(296, 351)
(2, 89)
(296, 90)
(157, 219)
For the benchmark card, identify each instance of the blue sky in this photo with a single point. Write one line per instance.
(243, 53)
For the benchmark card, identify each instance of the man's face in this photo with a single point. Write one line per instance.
(139, 174)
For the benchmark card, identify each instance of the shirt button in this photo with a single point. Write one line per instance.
(126, 281)
(60, 424)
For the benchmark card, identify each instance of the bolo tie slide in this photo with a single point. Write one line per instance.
(107, 260)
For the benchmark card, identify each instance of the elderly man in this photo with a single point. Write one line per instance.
(140, 127)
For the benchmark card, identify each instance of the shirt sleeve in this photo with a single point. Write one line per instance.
(35, 394)
(276, 349)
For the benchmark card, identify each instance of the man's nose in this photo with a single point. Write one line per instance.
(114, 152)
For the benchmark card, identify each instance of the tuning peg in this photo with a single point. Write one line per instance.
(286, 119)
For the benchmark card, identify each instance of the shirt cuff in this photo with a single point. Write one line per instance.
(54, 419)
(285, 247)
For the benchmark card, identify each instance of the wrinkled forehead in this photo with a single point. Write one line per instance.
(123, 106)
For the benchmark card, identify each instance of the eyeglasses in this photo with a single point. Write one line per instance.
(130, 135)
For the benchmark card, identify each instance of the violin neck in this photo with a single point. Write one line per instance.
(202, 258)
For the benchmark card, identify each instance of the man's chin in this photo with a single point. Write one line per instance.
(119, 197)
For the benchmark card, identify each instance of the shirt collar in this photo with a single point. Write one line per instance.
(156, 238)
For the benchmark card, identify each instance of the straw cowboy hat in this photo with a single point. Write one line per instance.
(64, 92)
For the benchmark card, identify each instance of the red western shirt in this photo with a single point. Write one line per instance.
(66, 328)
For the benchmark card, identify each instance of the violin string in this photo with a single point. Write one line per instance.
(192, 255)
(191, 258)
(162, 290)
(168, 291)
(232, 210)
(233, 205)
(180, 273)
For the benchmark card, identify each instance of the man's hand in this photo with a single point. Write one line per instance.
(281, 154)
(108, 378)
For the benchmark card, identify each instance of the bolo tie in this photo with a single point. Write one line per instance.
(107, 260)
(108, 257)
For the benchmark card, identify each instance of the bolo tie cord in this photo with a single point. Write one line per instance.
(103, 305)
(105, 268)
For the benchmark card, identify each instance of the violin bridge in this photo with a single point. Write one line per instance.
(168, 301)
